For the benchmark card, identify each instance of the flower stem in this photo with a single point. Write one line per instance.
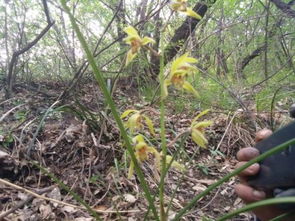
(163, 215)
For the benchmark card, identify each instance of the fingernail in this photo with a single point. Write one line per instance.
(258, 194)
(254, 167)
(253, 153)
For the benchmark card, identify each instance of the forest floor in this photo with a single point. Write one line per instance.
(89, 158)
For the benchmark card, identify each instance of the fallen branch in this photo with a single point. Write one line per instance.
(8, 112)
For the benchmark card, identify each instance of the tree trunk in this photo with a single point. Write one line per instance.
(27, 47)
(285, 7)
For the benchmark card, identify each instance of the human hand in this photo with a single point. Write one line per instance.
(247, 193)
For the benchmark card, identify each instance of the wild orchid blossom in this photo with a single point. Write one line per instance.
(198, 130)
(181, 6)
(135, 41)
(142, 151)
(136, 121)
(180, 70)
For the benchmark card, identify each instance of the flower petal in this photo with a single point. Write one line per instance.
(187, 86)
(199, 138)
(150, 125)
(137, 139)
(131, 170)
(193, 14)
(178, 62)
(200, 115)
(147, 40)
(202, 124)
(130, 57)
(131, 32)
(134, 122)
(127, 112)
(174, 164)
(182, 63)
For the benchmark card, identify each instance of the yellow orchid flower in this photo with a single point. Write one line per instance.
(142, 151)
(180, 70)
(135, 41)
(198, 129)
(181, 6)
(136, 120)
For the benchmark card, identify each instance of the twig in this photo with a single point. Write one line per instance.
(5, 101)
(8, 112)
(225, 132)
(177, 137)
(211, 200)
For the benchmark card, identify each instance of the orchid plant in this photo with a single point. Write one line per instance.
(142, 151)
(181, 68)
(135, 41)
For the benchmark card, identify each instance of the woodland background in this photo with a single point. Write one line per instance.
(246, 76)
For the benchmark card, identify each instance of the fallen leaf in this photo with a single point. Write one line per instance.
(45, 210)
(69, 209)
(100, 207)
(55, 194)
(129, 198)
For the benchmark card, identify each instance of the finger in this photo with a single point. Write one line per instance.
(248, 194)
(262, 134)
(247, 154)
(249, 171)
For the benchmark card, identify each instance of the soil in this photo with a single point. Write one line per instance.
(82, 148)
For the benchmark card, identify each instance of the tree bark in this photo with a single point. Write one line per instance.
(285, 7)
(258, 51)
